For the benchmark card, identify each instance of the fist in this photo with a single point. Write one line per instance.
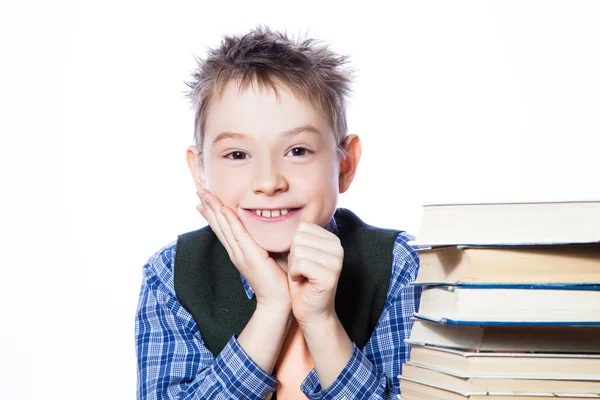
(314, 267)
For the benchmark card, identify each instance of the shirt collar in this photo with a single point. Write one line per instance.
(331, 227)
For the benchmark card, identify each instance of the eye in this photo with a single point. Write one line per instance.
(237, 155)
(299, 151)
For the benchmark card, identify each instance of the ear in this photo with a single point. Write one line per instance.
(194, 162)
(349, 164)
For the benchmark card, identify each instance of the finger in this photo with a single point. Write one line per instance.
(246, 243)
(307, 269)
(326, 260)
(315, 229)
(215, 206)
(208, 213)
(200, 207)
(329, 245)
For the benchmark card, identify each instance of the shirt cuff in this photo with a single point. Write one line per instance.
(240, 376)
(358, 380)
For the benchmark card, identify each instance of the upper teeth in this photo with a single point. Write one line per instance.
(271, 213)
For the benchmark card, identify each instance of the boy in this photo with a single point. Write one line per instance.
(281, 295)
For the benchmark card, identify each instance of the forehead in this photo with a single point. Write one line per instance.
(261, 112)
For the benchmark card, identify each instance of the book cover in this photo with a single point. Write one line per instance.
(497, 384)
(510, 223)
(524, 305)
(411, 390)
(454, 265)
(522, 365)
(553, 339)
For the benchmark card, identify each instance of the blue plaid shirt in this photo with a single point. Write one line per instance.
(173, 362)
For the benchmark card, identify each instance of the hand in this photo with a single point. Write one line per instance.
(264, 275)
(315, 262)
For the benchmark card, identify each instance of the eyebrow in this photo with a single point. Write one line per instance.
(288, 133)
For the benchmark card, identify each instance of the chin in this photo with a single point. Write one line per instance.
(273, 242)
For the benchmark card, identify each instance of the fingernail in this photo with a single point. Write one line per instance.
(223, 211)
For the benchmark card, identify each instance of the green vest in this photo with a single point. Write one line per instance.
(209, 287)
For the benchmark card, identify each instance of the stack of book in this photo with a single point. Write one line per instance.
(511, 303)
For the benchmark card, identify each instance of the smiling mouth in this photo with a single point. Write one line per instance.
(272, 214)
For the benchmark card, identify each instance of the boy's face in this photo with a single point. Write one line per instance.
(273, 155)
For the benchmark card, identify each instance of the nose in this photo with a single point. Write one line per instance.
(269, 179)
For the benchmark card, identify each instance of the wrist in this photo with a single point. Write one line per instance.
(329, 346)
(274, 310)
(270, 322)
(316, 326)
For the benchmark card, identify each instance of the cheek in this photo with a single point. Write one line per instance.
(320, 191)
(228, 186)
(321, 181)
(320, 188)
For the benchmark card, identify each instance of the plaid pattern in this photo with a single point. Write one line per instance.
(173, 362)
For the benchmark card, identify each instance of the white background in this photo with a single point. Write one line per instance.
(455, 101)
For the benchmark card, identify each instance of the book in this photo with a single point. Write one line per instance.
(468, 364)
(510, 223)
(553, 339)
(496, 385)
(499, 305)
(510, 264)
(418, 391)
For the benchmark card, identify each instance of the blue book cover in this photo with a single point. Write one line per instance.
(449, 321)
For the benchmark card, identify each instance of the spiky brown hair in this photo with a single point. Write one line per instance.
(305, 66)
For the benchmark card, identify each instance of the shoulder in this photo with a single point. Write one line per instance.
(405, 258)
(158, 270)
